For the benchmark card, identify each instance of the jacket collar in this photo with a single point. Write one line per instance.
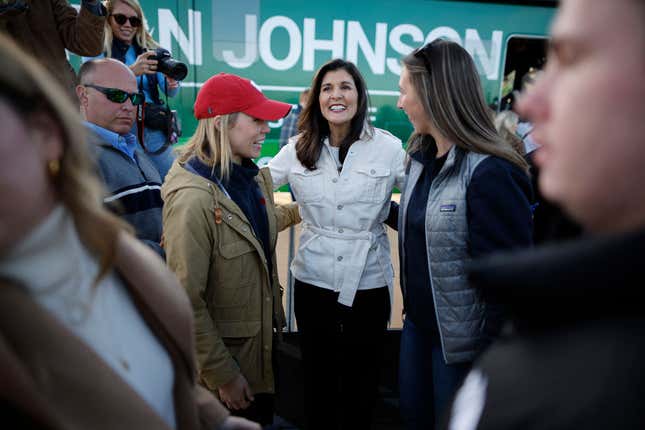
(240, 174)
(125, 143)
(263, 178)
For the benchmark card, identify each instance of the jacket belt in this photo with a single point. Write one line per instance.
(361, 242)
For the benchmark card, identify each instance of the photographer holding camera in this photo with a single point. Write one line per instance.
(128, 40)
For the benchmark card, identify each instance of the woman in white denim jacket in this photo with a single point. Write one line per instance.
(342, 172)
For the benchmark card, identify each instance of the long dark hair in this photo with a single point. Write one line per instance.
(313, 126)
(445, 77)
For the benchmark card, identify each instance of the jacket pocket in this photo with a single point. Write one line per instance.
(236, 249)
(372, 181)
(234, 276)
(238, 329)
(309, 185)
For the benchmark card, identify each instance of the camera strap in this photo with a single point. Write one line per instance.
(141, 116)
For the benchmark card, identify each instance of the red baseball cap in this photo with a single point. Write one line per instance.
(224, 94)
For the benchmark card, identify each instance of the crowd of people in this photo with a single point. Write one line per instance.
(139, 285)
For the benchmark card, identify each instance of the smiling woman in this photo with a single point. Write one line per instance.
(466, 195)
(220, 228)
(342, 171)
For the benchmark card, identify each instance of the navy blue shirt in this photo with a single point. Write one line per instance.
(418, 297)
(498, 215)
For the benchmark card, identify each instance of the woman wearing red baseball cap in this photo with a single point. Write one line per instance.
(220, 230)
(342, 172)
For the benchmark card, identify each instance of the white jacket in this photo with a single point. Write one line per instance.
(343, 245)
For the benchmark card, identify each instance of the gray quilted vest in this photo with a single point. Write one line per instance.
(460, 312)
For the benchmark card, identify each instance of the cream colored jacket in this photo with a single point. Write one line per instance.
(343, 246)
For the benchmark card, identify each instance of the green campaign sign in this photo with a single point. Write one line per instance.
(280, 43)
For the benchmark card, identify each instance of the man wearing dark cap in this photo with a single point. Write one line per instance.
(574, 353)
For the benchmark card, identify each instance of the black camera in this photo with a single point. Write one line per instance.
(169, 66)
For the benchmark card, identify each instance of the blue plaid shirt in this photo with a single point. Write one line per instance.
(290, 125)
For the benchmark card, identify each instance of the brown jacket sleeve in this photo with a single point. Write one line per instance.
(287, 215)
(81, 32)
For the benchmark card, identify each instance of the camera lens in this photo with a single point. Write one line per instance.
(169, 66)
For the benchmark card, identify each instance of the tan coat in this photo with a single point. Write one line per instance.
(51, 377)
(222, 266)
(50, 27)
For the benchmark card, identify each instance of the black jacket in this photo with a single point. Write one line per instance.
(574, 356)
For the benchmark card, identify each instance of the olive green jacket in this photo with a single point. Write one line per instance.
(211, 247)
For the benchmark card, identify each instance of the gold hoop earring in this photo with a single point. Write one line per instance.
(54, 167)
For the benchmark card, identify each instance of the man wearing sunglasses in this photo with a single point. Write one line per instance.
(109, 98)
(46, 28)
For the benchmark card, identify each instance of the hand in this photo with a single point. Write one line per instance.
(171, 83)
(236, 394)
(237, 423)
(144, 64)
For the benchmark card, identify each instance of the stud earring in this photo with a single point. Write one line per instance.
(54, 168)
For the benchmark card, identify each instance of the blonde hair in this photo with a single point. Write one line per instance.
(445, 78)
(211, 144)
(506, 124)
(28, 88)
(143, 37)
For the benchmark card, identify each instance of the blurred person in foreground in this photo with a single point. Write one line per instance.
(95, 332)
(573, 358)
(46, 28)
(108, 97)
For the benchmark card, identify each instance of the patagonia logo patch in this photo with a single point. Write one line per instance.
(447, 208)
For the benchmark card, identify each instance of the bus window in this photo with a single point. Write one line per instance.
(525, 55)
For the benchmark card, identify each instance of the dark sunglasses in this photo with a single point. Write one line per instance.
(423, 54)
(119, 96)
(120, 19)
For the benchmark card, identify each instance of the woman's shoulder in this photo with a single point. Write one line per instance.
(389, 145)
(493, 163)
(497, 171)
(383, 136)
(190, 186)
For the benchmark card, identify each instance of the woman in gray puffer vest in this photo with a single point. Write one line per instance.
(467, 194)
